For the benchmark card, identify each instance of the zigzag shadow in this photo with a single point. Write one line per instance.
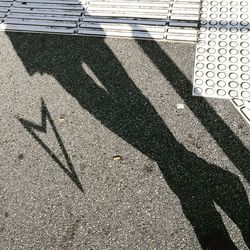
(31, 127)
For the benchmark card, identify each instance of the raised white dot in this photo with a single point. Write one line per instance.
(233, 22)
(203, 15)
(233, 84)
(233, 30)
(212, 36)
(233, 76)
(200, 58)
(223, 37)
(221, 92)
(222, 51)
(221, 84)
(233, 59)
(233, 93)
(212, 29)
(244, 30)
(213, 16)
(223, 9)
(210, 66)
(209, 91)
(243, 16)
(245, 94)
(211, 58)
(243, 3)
(201, 50)
(233, 67)
(233, 44)
(233, 37)
(214, 9)
(243, 10)
(245, 68)
(210, 83)
(244, 23)
(221, 75)
(222, 67)
(213, 22)
(245, 85)
(212, 43)
(244, 45)
(198, 82)
(223, 22)
(200, 65)
(223, 3)
(244, 37)
(210, 74)
(233, 3)
(233, 16)
(211, 51)
(199, 73)
(244, 52)
(245, 77)
(244, 60)
(202, 36)
(233, 52)
(198, 91)
(222, 59)
(223, 29)
(233, 9)
(223, 16)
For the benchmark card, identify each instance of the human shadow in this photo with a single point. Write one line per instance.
(121, 107)
(32, 127)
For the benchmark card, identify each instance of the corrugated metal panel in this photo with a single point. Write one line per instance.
(148, 19)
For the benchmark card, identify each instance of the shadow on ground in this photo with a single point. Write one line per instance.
(123, 109)
(32, 128)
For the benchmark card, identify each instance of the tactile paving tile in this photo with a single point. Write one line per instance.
(146, 19)
(222, 60)
(243, 107)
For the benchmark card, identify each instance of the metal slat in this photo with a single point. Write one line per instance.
(148, 19)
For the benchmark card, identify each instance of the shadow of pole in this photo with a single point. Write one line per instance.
(123, 109)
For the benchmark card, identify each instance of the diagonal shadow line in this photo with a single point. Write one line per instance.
(229, 143)
(30, 127)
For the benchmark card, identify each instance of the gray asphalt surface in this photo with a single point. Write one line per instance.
(95, 152)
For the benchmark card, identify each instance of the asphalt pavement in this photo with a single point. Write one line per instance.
(102, 146)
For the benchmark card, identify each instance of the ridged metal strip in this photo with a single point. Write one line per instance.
(147, 19)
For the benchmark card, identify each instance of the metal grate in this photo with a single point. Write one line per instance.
(147, 19)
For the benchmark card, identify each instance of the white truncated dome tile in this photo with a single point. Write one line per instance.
(222, 63)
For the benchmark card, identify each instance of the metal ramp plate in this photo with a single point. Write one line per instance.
(147, 19)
